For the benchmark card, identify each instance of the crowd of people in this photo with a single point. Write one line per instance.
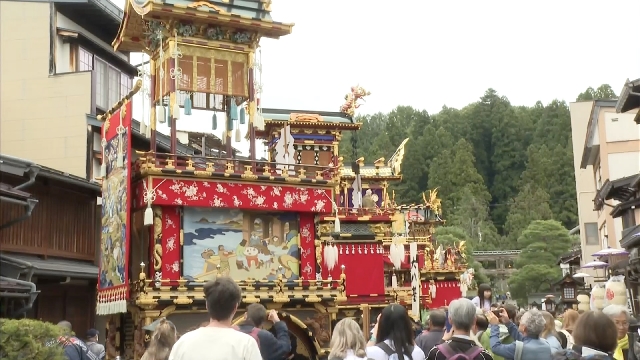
(465, 330)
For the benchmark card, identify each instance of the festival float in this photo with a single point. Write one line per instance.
(300, 232)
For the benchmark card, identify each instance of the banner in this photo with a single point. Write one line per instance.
(415, 279)
(113, 277)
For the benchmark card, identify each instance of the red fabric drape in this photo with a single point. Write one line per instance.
(171, 225)
(307, 246)
(446, 292)
(365, 272)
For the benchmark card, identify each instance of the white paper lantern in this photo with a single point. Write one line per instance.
(597, 298)
(615, 293)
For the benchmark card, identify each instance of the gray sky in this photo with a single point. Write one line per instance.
(427, 53)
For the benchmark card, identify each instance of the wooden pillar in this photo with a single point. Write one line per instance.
(152, 104)
(366, 320)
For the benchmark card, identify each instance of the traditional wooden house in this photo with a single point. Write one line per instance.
(48, 243)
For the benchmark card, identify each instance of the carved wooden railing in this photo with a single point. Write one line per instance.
(149, 162)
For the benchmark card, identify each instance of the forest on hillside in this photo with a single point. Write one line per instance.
(498, 167)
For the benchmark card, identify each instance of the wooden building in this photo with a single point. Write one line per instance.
(49, 224)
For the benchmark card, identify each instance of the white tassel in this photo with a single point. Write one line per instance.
(103, 168)
(148, 216)
(394, 281)
(143, 128)
(147, 133)
(176, 112)
(258, 121)
(335, 253)
(396, 253)
(160, 115)
(238, 135)
(336, 225)
(120, 159)
(223, 138)
(327, 249)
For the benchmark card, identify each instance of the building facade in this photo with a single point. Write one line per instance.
(73, 75)
(606, 147)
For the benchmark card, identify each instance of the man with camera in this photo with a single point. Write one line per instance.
(504, 336)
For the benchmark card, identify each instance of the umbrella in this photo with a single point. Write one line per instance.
(610, 251)
(595, 265)
(581, 275)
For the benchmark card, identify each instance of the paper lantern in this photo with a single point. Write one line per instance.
(597, 298)
(615, 292)
(583, 302)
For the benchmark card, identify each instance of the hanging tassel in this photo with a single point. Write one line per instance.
(223, 138)
(233, 110)
(327, 255)
(160, 115)
(176, 112)
(336, 225)
(143, 127)
(335, 252)
(258, 121)
(394, 281)
(214, 121)
(238, 135)
(229, 123)
(103, 168)
(148, 216)
(147, 132)
(242, 116)
(120, 158)
(187, 105)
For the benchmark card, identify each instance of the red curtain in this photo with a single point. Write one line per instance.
(171, 225)
(446, 292)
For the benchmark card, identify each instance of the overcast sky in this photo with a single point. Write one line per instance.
(428, 53)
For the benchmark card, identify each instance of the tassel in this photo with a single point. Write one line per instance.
(147, 132)
(148, 216)
(214, 121)
(335, 252)
(120, 159)
(327, 257)
(336, 225)
(103, 168)
(143, 127)
(242, 116)
(258, 122)
(238, 135)
(160, 115)
(394, 281)
(229, 123)
(176, 112)
(187, 106)
(223, 138)
(233, 110)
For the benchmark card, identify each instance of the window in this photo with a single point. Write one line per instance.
(591, 233)
(111, 84)
(114, 86)
(604, 235)
(85, 60)
(599, 177)
(101, 84)
(125, 85)
(569, 293)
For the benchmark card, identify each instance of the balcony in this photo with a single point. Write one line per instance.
(150, 163)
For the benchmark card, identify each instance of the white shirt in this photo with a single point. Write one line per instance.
(213, 343)
(376, 353)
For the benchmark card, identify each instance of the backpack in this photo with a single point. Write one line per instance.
(253, 333)
(392, 353)
(519, 348)
(569, 338)
(450, 354)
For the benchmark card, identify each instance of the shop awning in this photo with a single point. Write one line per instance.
(75, 269)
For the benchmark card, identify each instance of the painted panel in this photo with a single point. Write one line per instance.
(114, 244)
(244, 244)
(217, 194)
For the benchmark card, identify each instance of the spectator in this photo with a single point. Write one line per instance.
(94, 347)
(595, 338)
(462, 317)
(505, 338)
(620, 316)
(219, 340)
(271, 347)
(528, 334)
(549, 333)
(347, 341)
(162, 340)
(482, 324)
(433, 336)
(393, 335)
(74, 348)
(483, 300)
(570, 318)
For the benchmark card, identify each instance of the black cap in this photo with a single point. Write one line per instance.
(91, 333)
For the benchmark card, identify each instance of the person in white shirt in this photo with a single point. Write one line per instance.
(219, 340)
(392, 336)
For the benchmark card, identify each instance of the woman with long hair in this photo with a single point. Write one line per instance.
(483, 300)
(393, 334)
(595, 338)
(162, 340)
(549, 333)
(347, 341)
(569, 319)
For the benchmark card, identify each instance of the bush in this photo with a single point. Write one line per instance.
(27, 339)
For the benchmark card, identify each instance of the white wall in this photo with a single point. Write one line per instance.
(624, 164)
(621, 127)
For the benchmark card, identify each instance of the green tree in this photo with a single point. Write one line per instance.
(29, 339)
(542, 243)
(603, 91)
(471, 215)
(532, 203)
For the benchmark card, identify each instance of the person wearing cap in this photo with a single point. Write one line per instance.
(93, 345)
